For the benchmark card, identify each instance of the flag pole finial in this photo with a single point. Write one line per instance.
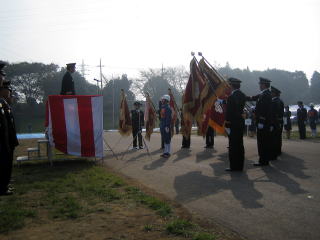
(192, 54)
(200, 54)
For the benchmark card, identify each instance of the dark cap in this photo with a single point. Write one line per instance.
(2, 65)
(275, 90)
(264, 80)
(71, 64)
(136, 103)
(300, 102)
(234, 80)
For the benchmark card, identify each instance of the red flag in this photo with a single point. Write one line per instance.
(149, 117)
(218, 112)
(192, 108)
(174, 111)
(125, 124)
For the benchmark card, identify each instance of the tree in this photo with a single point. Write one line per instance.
(157, 82)
(28, 78)
(111, 99)
(315, 87)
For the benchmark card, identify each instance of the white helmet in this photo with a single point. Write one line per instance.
(166, 97)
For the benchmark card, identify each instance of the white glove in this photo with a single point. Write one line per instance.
(271, 128)
(167, 129)
(228, 130)
(260, 125)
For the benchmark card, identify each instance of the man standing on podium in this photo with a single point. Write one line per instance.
(67, 86)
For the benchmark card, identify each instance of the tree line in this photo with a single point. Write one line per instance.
(33, 82)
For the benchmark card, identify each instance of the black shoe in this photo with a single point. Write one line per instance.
(208, 147)
(232, 170)
(166, 155)
(140, 147)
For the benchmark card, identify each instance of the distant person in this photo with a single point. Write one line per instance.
(287, 121)
(276, 123)
(137, 118)
(263, 121)
(209, 137)
(159, 115)
(235, 125)
(8, 136)
(313, 119)
(302, 116)
(165, 125)
(67, 86)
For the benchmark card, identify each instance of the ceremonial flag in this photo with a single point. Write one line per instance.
(125, 124)
(174, 111)
(218, 113)
(215, 88)
(192, 108)
(149, 117)
(75, 124)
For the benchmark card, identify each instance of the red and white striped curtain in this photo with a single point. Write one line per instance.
(75, 124)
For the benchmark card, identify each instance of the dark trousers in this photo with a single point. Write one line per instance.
(210, 137)
(136, 133)
(186, 142)
(6, 160)
(279, 141)
(264, 145)
(236, 149)
(302, 130)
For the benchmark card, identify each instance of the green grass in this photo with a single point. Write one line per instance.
(13, 214)
(187, 229)
(73, 189)
(180, 227)
(162, 208)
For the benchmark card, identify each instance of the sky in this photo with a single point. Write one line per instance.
(133, 35)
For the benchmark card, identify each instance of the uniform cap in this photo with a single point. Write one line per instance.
(264, 80)
(71, 64)
(275, 90)
(234, 80)
(166, 97)
(136, 103)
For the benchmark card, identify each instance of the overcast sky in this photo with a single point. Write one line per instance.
(130, 35)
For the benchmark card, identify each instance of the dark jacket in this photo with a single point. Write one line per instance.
(136, 117)
(263, 107)
(8, 129)
(67, 84)
(302, 115)
(235, 105)
(277, 110)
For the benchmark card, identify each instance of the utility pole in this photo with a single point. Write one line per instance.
(83, 68)
(100, 66)
(112, 101)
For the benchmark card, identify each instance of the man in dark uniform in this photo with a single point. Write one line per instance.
(8, 137)
(67, 86)
(137, 118)
(209, 138)
(302, 120)
(235, 125)
(263, 121)
(276, 123)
